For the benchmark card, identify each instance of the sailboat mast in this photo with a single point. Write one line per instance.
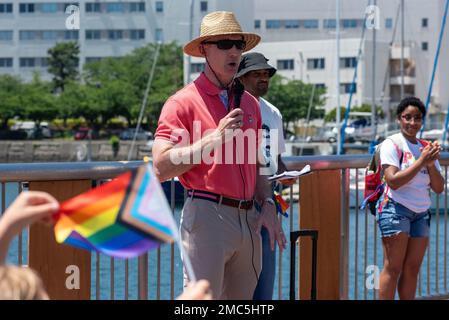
(337, 36)
(402, 49)
(188, 57)
(373, 102)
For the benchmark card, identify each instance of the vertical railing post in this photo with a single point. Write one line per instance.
(142, 277)
(321, 205)
(344, 244)
(54, 262)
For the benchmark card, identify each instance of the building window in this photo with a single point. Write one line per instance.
(273, 24)
(317, 63)
(349, 62)
(425, 46)
(27, 62)
(137, 7)
(66, 5)
(159, 6)
(43, 62)
(5, 7)
(49, 35)
(159, 35)
(349, 23)
(320, 85)
(291, 24)
(33, 62)
(115, 7)
(28, 35)
(388, 23)
(115, 34)
(93, 7)
(137, 34)
(424, 22)
(203, 6)
(93, 34)
(49, 7)
(71, 35)
(196, 67)
(287, 64)
(346, 88)
(5, 62)
(26, 7)
(329, 23)
(310, 24)
(5, 35)
(256, 24)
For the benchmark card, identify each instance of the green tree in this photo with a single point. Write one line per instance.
(10, 103)
(120, 98)
(367, 108)
(81, 100)
(123, 82)
(331, 116)
(63, 60)
(38, 101)
(292, 98)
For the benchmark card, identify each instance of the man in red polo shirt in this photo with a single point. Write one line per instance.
(208, 136)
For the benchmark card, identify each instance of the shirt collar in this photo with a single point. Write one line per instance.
(206, 85)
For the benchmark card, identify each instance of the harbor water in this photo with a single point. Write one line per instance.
(362, 220)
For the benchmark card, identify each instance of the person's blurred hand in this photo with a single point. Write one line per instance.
(269, 219)
(29, 207)
(199, 290)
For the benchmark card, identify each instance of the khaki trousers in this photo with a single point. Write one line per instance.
(223, 247)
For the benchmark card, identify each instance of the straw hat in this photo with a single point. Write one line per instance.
(219, 23)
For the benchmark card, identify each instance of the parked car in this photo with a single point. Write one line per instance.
(128, 134)
(33, 131)
(83, 133)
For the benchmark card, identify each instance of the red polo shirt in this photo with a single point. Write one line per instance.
(197, 107)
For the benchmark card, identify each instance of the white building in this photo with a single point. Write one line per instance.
(28, 28)
(314, 61)
(298, 37)
(300, 20)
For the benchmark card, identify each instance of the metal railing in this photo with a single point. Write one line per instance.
(360, 233)
(158, 274)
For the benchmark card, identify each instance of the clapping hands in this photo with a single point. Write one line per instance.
(430, 153)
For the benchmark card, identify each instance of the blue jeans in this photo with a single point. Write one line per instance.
(396, 218)
(265, 286)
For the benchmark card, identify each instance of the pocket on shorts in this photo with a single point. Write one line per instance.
(390, 220)
(253, 216)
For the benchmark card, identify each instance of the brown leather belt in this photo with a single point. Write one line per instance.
(205, 195)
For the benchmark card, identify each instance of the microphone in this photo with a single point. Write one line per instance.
(238, 92)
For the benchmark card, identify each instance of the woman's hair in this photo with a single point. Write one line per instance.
(20, 283)
(410, 101)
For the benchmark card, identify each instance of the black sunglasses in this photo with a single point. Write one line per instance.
(228, 44)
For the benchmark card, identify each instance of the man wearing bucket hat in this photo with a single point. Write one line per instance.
(255, 73)
(204, 121)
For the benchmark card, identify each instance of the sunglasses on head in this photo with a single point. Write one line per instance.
(228, 44)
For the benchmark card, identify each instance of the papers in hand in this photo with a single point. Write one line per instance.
(290, 174)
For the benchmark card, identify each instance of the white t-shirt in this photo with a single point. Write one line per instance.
(272, 143)
(415, 194)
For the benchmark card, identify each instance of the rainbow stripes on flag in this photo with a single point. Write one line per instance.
(123, 218)
(281, 204)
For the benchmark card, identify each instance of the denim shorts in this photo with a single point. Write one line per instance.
(395, 218)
